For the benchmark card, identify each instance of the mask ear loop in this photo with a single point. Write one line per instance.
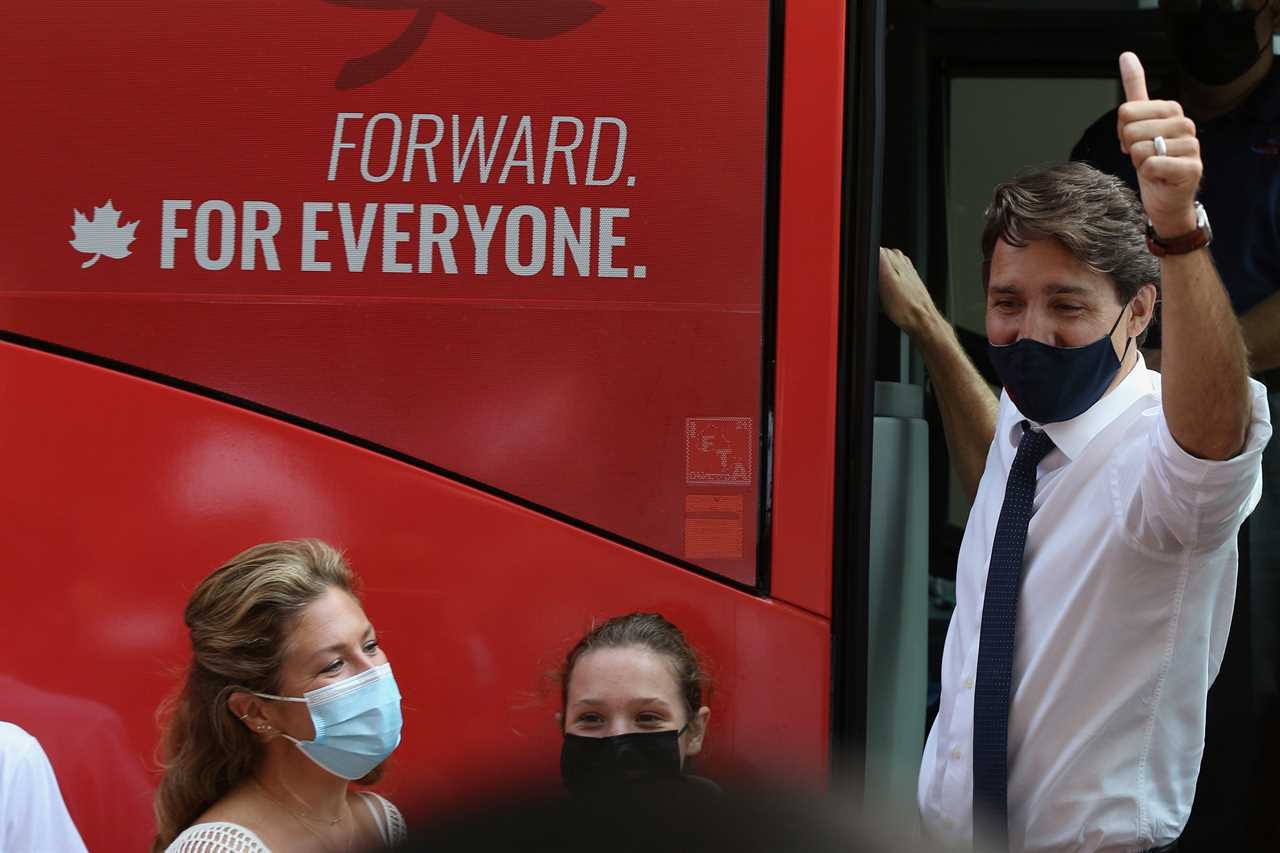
(1267, 45)
(293, 698)
(1128, 338)
(276, 698)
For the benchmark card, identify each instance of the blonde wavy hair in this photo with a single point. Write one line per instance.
(239, 618)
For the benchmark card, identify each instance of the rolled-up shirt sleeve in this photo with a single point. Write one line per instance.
(1182, 503)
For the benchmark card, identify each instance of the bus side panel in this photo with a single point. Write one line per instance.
(121, 494)
(530, 250)
(808, 302)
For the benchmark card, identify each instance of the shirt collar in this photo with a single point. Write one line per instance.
(1073, 436)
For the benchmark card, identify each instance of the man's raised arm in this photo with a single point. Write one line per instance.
(967, 405)
(1204, 367)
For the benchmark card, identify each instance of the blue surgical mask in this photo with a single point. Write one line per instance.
(1051, 384)
(357, 722)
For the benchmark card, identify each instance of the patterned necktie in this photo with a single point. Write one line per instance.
(995, 648)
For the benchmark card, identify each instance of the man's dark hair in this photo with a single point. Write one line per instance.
(1095, 216)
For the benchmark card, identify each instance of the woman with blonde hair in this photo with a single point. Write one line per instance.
(288, 699)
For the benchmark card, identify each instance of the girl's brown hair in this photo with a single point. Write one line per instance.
(650, 631)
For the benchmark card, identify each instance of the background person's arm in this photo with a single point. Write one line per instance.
(967, 405)
(1203, 364)
(1261, 328)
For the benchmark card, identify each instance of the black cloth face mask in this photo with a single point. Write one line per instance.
(590, 765)
(1050, 384)
(1216, 46)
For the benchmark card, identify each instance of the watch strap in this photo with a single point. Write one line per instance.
(1182, 244)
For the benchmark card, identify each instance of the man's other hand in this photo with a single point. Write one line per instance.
(1167, 182)
(903, 295)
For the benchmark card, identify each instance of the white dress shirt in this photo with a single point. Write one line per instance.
(1128, 583)
(33, 818)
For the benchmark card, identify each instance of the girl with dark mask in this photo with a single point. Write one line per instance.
(632, 690)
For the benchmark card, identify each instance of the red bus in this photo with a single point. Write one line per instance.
(542, 311)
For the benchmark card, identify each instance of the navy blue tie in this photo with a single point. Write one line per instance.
(995, 648)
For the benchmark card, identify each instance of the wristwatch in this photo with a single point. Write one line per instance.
(1183, 243)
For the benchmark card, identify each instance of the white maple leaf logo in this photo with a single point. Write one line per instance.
(102, 235)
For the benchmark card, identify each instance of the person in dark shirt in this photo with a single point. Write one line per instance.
(1228, 83)
(1238, 125)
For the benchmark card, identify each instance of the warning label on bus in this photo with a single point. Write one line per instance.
(718, 450)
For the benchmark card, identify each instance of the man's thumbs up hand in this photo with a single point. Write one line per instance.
(1167, 180)
(1133, 77)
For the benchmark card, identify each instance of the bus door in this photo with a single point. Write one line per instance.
(977, 92)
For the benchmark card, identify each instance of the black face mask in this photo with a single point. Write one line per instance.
(590, 765)
(1216, 46)
(1050, 384)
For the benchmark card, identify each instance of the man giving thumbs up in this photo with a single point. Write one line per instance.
(1096, 576)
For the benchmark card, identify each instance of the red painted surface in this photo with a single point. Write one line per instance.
(570, 390)
(808, 303)
(120, 495)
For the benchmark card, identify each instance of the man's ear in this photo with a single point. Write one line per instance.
(1143, 306)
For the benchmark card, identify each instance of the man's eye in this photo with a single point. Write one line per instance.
(648, 717)
(371, 647)
(589, 719)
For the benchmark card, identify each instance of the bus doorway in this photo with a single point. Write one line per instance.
(978, 91)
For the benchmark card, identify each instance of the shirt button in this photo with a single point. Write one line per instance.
(968, 684)
(956, 753)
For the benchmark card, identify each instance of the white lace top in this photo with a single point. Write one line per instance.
(223, 837)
